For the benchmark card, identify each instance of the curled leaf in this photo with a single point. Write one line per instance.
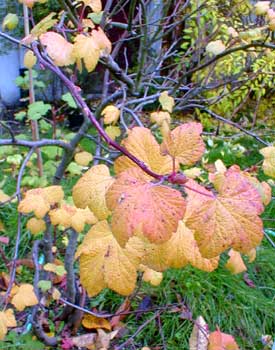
(235, 264)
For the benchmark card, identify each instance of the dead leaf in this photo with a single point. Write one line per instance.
(199, 335)
(93, 322)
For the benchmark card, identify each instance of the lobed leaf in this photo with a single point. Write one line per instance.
(228, 219)
(91, 188)
(139, 204)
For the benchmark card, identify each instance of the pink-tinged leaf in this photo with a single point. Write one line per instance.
(139, 204)
(221, 341)
(228, 219)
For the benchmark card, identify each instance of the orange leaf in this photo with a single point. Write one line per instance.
(185, 143)
(93, 322)
(137, 203)
(58, 48)
(221, 341)
(229, 219)
(142, 144)
(235, 263)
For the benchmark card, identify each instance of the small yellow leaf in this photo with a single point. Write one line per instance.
(102, 42)
(29, 59)
(3, 325)
(235, 263)
(167, 102)
(192, 173)
(10, 21)
(251, 255)
(215, 47)
(83, 158)
(10, 318)
(95, 5)
(42, 27)
(28, 3)
(36, 226)
(269, 160)
(86, 48)
(56, 294)
(58, 48)
(111, 114)
(91, 188)
(70, 216)
(160, 117)
(113, 131)
(24, 297)
(93, 322)
(151, 276)
(39, 200)
(2, 226)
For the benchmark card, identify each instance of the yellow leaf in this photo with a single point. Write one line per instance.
(43, 26)
(56, 294)
(24, 297)
(142, 144)
(235, 262)
(151, 276)
(28, 3)
(70, 216)
(229, 219)
(215, 47)
(185, 143)
(2, 226)
(137, 203)
(95, 5)
(86, 48)
(163, 119)
(56, 268)
(36, 226)
(91, 188)
(3, 325)
(102, 41)
(3, 197)
(39, 200)
(111, 114)
(83, 158)
(199, 336)
(269, 160)
(251, 255)
(7, 320)
(104, 264)
(58, 48)
(10, 21)
(113, 131)
(93, 322)
(192, 173)
(29, 59)
(167, 102)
